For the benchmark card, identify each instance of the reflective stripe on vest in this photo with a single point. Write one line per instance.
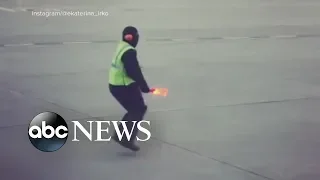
(117, 74)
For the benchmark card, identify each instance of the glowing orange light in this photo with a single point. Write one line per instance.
(160, 91)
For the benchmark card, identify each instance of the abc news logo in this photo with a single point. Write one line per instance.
(48, 131)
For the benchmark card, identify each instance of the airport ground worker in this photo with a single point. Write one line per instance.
(127, 83)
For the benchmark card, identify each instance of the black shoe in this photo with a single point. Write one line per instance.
(126, 144)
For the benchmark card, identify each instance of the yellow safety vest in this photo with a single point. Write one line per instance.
(117, 73)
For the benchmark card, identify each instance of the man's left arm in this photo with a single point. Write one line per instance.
(133, 69)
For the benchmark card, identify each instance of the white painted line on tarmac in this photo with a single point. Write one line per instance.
(284, 36)
(22, 9)
(16, 45)
(235, 38)
(182, 40)
(6, 9)
(28, 44)
(79, 42)
(11, 45)
(164, 40)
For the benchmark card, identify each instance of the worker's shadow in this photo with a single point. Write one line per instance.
(129, 154)
(126, 153)
(147, 148)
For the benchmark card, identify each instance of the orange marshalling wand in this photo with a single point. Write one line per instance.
(159, 91)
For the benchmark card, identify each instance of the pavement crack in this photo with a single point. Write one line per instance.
(238, 104)
(214, 159)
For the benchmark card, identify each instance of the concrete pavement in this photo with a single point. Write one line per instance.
(257, 117)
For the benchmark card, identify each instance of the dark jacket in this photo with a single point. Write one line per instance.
(133, 70)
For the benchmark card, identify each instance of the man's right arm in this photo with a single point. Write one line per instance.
(133, 70)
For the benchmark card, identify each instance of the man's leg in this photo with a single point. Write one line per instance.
(131, 99)
(136, 111)
(121, 94)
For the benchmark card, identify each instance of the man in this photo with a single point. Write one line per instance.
(126, 82)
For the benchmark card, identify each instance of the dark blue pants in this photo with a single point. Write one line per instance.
(131, 99)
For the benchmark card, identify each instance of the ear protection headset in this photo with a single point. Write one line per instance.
(128, 37)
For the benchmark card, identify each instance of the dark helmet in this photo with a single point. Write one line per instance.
(130, 35)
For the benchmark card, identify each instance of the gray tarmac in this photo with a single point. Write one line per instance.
(255, 117)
